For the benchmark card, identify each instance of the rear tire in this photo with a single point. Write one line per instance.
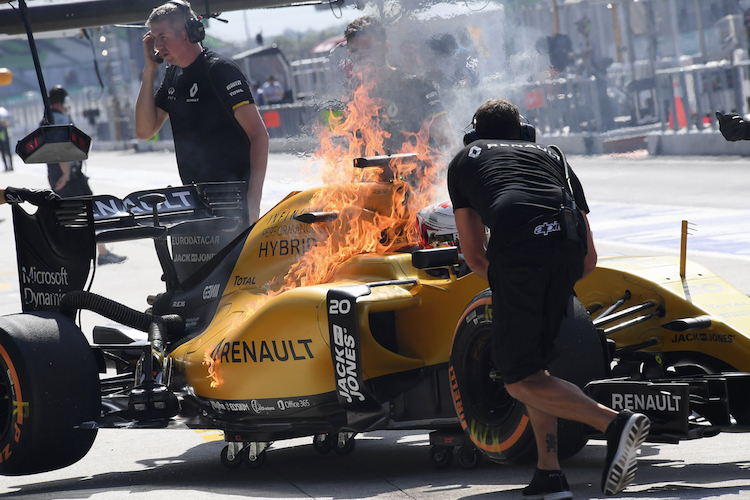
(49, 393)
(497, 424)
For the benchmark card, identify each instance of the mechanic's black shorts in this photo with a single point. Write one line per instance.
(531, 285)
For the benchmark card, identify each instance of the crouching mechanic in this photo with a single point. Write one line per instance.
(518, 190)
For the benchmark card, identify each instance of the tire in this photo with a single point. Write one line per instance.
(230, 464)
(441, 456)
(260, 459)
(322, 443)
(469, 457)
(497, 424)
(48, 372)
(344, 449)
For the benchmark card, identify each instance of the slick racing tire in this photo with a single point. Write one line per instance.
(49, 393)
(496, 423)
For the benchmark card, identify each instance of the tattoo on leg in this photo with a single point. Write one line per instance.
(551, 443)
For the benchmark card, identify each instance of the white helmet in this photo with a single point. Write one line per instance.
(437, 227)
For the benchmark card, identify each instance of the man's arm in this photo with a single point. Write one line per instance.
(251, 122)
(148, 117)
(64, 178)
(471, 232)
(589, 264)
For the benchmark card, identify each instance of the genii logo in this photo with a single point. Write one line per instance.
(211, 292)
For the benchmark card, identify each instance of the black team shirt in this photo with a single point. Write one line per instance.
(210, 144)
(509, 183)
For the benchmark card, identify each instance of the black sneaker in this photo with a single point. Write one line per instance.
(110, 258)
(624, 435)
(547, 485)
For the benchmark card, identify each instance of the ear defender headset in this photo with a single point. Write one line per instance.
(194, 28)
(528, 132)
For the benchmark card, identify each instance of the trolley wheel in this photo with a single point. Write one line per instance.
(345, 447)
(441, 456)
(322, 443)
(255, 463)
(230, 463)
(469, 457)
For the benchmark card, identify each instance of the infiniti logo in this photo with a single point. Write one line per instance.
(171, 90)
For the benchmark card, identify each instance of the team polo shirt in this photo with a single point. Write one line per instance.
(210, 144)
(509, 183)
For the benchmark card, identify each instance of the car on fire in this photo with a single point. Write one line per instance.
(389, 336)
(326, 319)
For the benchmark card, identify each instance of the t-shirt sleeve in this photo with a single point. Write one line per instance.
(231, 84)
(458, 198)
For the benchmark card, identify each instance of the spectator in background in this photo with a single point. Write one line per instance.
(66, 178)
(273, 92)
(257, 94)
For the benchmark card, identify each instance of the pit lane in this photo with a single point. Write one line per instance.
(637, 205)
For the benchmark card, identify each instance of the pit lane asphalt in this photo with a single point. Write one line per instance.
(185, 463)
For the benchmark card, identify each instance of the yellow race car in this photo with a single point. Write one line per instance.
(293, 330)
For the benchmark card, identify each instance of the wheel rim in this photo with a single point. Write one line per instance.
(6, 403)
(490, 400)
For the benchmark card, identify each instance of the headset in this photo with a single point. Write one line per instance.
(194, 28)
(528, 132)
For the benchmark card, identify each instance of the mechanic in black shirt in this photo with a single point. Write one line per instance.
(408, 103)
(219, 134)
(518, 189)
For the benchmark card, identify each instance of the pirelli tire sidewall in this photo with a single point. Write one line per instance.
(49, 390)
(496, 423)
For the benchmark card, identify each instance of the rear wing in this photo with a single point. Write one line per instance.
(55, 245)
(132, 217)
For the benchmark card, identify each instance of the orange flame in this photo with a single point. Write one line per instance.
(358, 229)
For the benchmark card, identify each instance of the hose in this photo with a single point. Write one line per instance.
(158, 327)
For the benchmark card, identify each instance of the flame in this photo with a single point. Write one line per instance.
(211, 363)
(358, 229)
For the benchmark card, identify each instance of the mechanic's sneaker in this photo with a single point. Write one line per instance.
(547, 485)
(624, 435)
(110, 258)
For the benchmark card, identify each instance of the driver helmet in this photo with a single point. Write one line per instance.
(436, 225)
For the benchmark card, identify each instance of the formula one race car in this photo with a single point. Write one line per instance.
(290, 330)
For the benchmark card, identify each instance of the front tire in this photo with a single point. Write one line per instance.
(497, 424)
(49, 393)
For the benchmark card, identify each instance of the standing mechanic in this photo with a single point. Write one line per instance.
(519, 190)
(66, 178)
(409, 102)
(218, 132)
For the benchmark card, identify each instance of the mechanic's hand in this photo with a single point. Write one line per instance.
(149, 53)
(36, 197)
(732, 126)
(64, 178)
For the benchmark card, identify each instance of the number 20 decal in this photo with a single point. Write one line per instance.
(339, 306)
